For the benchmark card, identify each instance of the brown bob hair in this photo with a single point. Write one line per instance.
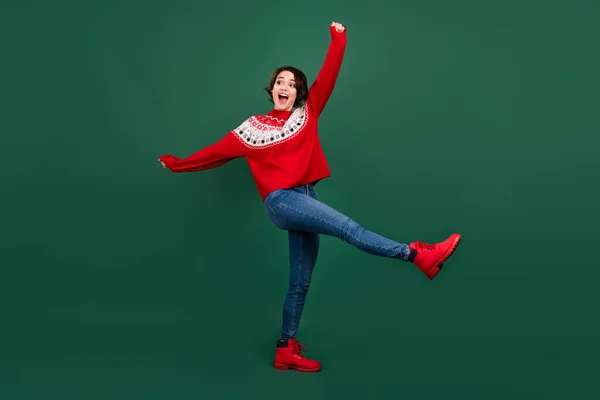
(301, 84)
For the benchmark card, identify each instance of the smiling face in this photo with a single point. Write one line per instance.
(284, 91)
(287, 88)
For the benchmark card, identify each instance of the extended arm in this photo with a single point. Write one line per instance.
(215, 155)
(322, 87)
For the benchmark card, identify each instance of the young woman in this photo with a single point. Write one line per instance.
(283, 152)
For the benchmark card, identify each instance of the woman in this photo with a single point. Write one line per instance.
(283, 152)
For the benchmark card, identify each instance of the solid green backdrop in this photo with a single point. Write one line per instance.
(122, 280)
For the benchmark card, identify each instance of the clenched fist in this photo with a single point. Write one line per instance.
(338, 27)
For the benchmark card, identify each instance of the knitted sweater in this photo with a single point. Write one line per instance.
(282, 148)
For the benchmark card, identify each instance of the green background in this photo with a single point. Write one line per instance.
(121, 280)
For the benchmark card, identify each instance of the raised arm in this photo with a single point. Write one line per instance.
(215, 155)
(321, 89)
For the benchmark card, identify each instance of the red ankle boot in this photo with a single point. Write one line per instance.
(430, 257)
(290, 358)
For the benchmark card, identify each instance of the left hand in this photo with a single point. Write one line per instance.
(338, 27)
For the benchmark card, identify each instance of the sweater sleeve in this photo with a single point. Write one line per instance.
(322, 87)
(215, 155)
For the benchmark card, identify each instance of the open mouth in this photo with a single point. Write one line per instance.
(283, 98)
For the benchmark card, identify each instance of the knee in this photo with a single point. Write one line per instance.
(299, 287)
(349, 228)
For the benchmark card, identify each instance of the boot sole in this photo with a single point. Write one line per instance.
(283, 367)
(433, 271)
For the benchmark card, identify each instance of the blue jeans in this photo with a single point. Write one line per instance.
(298, 211)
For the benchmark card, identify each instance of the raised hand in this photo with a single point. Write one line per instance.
(338, 27)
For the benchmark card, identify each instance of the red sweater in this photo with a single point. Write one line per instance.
(282, 148)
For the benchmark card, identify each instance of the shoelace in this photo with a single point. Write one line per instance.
(298, 348)
(426, 246)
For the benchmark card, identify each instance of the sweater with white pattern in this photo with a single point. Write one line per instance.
(282, 148)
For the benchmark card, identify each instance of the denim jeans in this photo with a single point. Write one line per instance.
(298, 211)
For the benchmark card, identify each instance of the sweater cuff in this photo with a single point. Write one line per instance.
(169, 160)
(337, 35)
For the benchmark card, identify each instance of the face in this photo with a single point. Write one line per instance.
(284, 91)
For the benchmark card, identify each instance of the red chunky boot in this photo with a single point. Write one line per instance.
(290, 358)
(430, 257)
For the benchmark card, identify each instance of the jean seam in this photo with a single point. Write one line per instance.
(274, 213)
(330, 224)
(297, 285)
